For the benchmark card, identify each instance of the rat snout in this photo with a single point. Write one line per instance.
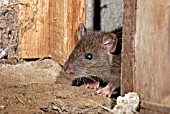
(69, 69)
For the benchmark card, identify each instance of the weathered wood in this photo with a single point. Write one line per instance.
(65, 16)
(129, 29)
(152, 51)
(34, 42)
(155, 108)
(49, 27)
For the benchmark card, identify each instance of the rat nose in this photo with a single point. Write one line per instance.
(69, 69)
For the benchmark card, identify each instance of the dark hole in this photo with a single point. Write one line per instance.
(97, 17)
(118, 33)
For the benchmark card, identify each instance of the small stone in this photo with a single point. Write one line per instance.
(2, 107)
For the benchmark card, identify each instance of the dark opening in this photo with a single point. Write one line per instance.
(97, 17)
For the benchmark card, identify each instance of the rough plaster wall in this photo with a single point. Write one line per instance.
(89, 14)
(111, 14)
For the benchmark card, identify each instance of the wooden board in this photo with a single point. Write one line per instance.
(153, 108)
(49, 27)
(65, 16)
(152, 51)
(34, 16)
(129, 29)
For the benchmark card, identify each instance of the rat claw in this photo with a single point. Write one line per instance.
(91, 86)
(86, 85)
(106, 91)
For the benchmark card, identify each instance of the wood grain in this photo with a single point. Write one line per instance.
(65, 17)
(34, 16)
(153, 108)
(152, 51)
(129, 29)
(49, 27)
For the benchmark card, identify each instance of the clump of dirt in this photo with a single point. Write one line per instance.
(38, 87)
(50, 98)
(26, 73)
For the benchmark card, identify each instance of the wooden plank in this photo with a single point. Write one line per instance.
(152, 51)
(155, 108)
(34, 42)
(65, 17)
(129, 29)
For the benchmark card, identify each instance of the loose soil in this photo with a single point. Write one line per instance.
(40, 87)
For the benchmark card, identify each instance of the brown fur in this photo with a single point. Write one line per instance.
(103, 65)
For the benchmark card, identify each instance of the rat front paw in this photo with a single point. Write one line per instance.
(106, 91)
(91, 86)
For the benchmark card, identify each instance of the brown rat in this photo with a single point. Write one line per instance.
(92, 57)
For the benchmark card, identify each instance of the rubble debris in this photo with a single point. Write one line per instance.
(125, 105)
(3, 50)
(9, 29)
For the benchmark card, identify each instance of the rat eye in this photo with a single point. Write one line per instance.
(89, 56)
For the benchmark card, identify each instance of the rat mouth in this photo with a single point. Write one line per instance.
(82, 80)
(78, 81)
(71, 74)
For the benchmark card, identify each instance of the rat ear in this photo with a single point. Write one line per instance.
(81, 31)
(109, 42)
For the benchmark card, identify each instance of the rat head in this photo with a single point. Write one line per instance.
(92, 55)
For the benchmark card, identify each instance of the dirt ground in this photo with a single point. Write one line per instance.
(38, 87)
